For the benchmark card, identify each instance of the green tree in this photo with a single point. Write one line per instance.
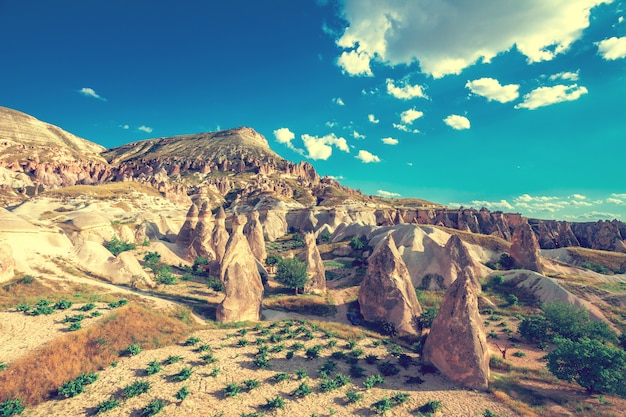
(590, 363)
(291, 272)
(356, 243)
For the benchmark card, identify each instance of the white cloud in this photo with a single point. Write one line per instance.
(331, 124)
(387, 194)
(145, 128)
(322, 147)
(498, 205)
(612, 200)
(492, 90)
(372, 118)
(623, 195)
(579, 203)
(335, 177)
(406, 92)
(405, 128)
(457, 122)
(125, 127)
(612, 48)
(546, 96)
(568, 76)
(338, 101)
(357, 135)
(578, 197)
(367, 157)
(447, 36)
(389, 141)
(410, 115)
(410, 164)
(285, 136)
(355, 63)
(90, 92)
(527, 198)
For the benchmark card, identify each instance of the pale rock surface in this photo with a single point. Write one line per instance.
(185, 235)
(457, 345)
(241, 279)
(219, 237)
(459, 259)
(201, 238)
(314, 266)
(274, 224)
(386, 292)
(525, 249)
(88, 226)
(254, 233)
(7, 262)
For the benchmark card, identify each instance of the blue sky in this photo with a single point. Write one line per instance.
(515, 106)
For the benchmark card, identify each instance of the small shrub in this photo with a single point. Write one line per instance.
(373, 380)
(11, 407)
(172, 359)
(183, 375)
(338, 355)
(328, 385)
(303, 390)
(519, 354)
(382, 406)
(23, 307)
(214, 284)
(77, 386)
(262, 362)
(274, 403)
(353, 396)
(371, 359)
(132, 350)
(356, 243)
(313, 352)
(301, 373)
(400, 398)
(135, 389)
(203, 348)
(342, 380)
(215, 372)
(357, 353)
(3, 366)
(119, 303)
(192, 341)
(232, 390)
(75, 326)
(154, 407)
(117, 246)
(62, 305)
(489, 413)
(388, 369)
(95, 313)
(88, 307)
(289, 355)
(182, 393)
(356, 371)
(431, 407)
(243, 342)
(208, 358)
(280, 377)
(107, 405)
(153, 367)
(27, 279)
(251, 384)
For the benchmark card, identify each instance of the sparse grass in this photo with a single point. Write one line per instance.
(35, 375)
(302, 304)
(136, 388)
(104, 191)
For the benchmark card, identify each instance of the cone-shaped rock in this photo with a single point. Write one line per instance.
(314, 266)
(387, 292)
(201, 238)
(241, 279)
(185, 235)
(219, 238)
(254, 234)
(460, 259)
(525, 248)
(456, 344)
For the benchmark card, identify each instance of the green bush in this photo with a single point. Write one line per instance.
(373, 380)
(153, 367)
(382, 406)
(489, 413)
(215, 284)
(431, 407)
(313, 352)
(280, 377)
(232, 390)
(42, 307)
(116, 246)
(251, 384)
(164, 275)
(132, 350)
(3, 366)
(388, 369)
(119, 303)
(301, 373)
(62, 305)
(328, 385)
(73, 388)
(274, 403)
(183, 375)
(27, 279)
(107, 405)
(353, 396)
(172, 359)
(75, 326)
(154, 407)
(192, 341)
(152, 260)
(356, 243)
(88, 307)
(182, 393)
(303, 390)
(135, 389)
(11, 407)
(272, 259)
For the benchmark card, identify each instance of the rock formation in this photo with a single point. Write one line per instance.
(254, 234)
(460, 259)
(201, 238)
(386, 292)
(314, 266)
(457, 345)
(241, 279)
(219, 237)
(185, 235)
(7, 263)
(525, 249)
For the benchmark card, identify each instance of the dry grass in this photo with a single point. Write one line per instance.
(612, 260)
(104, 191)
(34, 378)
(493, 243)
(302, 304)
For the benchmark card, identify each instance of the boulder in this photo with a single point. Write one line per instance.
(241, 279)
(457, 345)
(219, 237)
(525, 249)
(387, 293)
(254, 234)
(314, 266)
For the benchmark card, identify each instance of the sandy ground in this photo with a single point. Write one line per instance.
(235, 364)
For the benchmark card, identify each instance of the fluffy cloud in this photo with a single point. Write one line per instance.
(492, 90)
(405, 128)
(497, 205)
(355, 63)
(357, 135)
(338, 101)
(322, 147)
(90, 92)
(410, 115)
(612, 200)
(546, 96)
(406, 92)
(447, 36)
(387, 194)
(457, 122)
(612, 48)
(389, 141)
(146, 129)
(540, 203)
(576, 197)
(623, 195)
(367, 157)
(569, 76)
(372, 118)
(285, 136)
(125, 127)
